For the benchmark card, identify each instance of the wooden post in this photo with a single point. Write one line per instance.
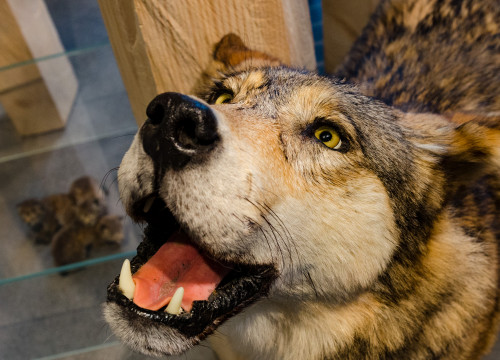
(164, 45)
(37, 97)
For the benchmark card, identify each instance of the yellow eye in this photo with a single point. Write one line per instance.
(224, 98)
(328, 136)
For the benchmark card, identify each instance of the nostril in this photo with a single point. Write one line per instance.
(208, 137)
(155, 112)
(193, 133)
(179, 129)
(186, 133)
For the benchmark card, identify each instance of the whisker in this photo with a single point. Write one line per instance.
(276, 241)
(259, 227)
(311, 282)
(268, 244)
(281, 242)
(283, 238)
(275, 234)
(280, 222)
(105, 177)
(288, 242)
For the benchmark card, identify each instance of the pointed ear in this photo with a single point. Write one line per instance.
(474, 150)
(466, 146)
(230, 55)
(476, 139)
(233, 54)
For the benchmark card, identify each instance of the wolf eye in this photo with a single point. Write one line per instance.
(224, 98)
(328, 136)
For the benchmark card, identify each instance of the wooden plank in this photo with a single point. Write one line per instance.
(164, 45)
(343, 22)
(36, 97)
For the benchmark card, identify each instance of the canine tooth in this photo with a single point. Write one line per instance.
(126, 284)
(174, 307)
(148, 204)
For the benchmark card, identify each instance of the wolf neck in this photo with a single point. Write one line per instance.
(376, 325)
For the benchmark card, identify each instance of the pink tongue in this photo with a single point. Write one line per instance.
(177, 263)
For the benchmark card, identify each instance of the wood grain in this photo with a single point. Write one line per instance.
(164, 45)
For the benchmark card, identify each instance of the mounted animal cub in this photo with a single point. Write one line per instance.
(304, 217)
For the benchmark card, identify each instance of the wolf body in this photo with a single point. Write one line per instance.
(359, 213)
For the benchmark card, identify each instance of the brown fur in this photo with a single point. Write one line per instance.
(62, 206)
(417, 287)
(430, 55)
(72, 223)
(74, 242)
(388, 247)
(40, 221)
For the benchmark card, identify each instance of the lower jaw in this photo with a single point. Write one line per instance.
(200, 321)
(141, 335)
(239, 289)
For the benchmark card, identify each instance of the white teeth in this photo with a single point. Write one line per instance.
(126, 284)
(174, 307)
(148, 204)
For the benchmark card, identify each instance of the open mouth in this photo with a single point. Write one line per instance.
(174, 282)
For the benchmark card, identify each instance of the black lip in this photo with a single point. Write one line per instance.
(240, 288)
(205, 315)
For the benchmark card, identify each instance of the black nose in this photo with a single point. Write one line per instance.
(179, 129)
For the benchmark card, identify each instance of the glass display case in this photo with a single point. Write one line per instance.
(49, 311)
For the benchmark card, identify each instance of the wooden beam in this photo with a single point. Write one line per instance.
(37, 97)
(164, 45)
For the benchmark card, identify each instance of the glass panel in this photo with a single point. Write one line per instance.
(79, 25)
(59, 317)
(69, 53)
(46, 173)
(101, 109)
(51, 312)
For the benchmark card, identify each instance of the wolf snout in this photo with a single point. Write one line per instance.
(179, 129)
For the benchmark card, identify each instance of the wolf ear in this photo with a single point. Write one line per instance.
(230, 55)
(467, 146)
(474, 149)
(476, 139)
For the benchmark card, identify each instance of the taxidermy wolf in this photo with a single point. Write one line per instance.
(298, 216)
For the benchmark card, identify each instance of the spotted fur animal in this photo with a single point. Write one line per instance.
(309, 217)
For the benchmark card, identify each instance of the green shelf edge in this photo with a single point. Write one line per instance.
(69, 267)
(53, 56)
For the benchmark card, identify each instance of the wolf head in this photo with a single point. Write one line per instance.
(307, 192)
